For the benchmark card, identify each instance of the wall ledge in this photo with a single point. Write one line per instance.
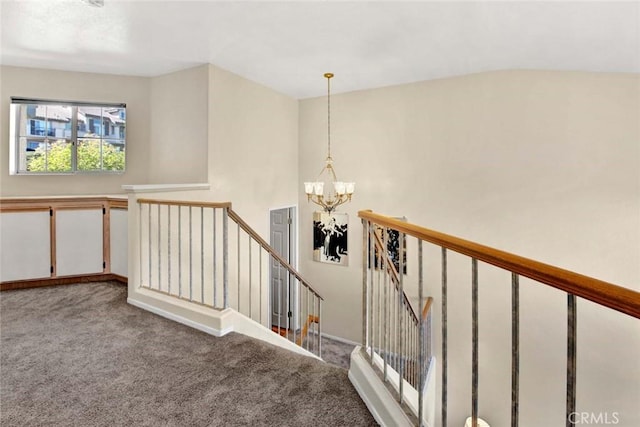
(157, 188)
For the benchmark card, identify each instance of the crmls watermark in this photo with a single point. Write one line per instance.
(594, 418)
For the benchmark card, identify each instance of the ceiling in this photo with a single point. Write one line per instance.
(289, 45)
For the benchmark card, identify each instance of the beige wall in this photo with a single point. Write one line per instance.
(543, 164)
(253, 147)
(63, 85)
(179, 127)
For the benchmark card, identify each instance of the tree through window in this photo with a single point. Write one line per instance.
(67, 137)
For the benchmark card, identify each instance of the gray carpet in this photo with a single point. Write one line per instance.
(336, 352)
(79, 355)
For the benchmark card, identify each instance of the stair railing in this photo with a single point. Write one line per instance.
(396, 338)
(394, 319)
(575, 285)
(304, 326)
(189, 250)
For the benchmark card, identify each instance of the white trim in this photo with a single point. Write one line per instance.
(155, 188)
(340, 339)
(180, 319)
(227, 320)
(13, 145)
(246, 326)
(294, 261)
(374, 393)
(282, 207)
(296, 258)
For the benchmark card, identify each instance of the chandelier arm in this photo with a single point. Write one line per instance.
(331, 204)
(313, 197)
(341, 200)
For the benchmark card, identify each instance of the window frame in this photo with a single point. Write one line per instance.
(15, 135)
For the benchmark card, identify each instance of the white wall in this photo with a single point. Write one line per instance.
(179, 127)
(64, 85)
(542, 164)
(253, 147)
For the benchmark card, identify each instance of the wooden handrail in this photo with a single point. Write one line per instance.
(305, 329)
(118, 203)
(395, 277)
(10, 209)
(27, 204)
(186, 203)
(427, 307)
(267, 247)
(606, 294)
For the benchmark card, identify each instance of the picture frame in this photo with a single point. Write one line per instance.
(393, 248)
(330, 238)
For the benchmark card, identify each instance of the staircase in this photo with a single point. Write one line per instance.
(301, 336)
(393, 335)
(205, 253)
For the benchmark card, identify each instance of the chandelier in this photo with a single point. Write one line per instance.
(338, 192)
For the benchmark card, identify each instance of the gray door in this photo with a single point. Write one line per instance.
(282, 295)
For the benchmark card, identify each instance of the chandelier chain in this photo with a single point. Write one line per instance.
(328, 116)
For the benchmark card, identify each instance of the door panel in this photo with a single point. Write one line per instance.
(281, 242)
(25, 246)
(79, 247)
(119, 243)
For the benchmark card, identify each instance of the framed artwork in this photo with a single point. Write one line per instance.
(393, 249)
(330, 238)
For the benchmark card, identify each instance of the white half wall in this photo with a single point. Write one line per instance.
(383, 405)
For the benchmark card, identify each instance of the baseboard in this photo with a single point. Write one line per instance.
(119, 278)
(180, 319)
(67, 280)
(340, 339)
(216, 322)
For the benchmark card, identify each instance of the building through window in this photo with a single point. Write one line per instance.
(66, 137)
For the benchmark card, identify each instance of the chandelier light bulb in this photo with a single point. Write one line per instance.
(308, 187)
(350, 187)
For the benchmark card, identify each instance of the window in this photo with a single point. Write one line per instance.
(66, 137)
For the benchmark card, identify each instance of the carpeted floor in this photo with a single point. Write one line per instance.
(336, 352)
(79, 355)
